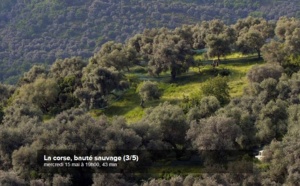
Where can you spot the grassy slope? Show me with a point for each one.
(185, 85)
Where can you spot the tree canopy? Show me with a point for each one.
(92, 105)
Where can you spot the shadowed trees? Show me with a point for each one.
(20, 127)
(259, 73)
(207, 107)
(241, 110)
(73, 126)
(272, 121)
(169, 120)
(214, 133)
(151, 136)
(109, 179)
(11, 178)
(75, 130)
(270, 108)
(282, 159)
(61, 180)
(207, 180)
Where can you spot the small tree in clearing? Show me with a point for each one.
(217, 87)
(148, 91)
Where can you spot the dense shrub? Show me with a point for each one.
(259, 73)
(148, 90)
(217, 87)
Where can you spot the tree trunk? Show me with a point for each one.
(258, 54)
(173, 74)
(142, 103)
(178, 152)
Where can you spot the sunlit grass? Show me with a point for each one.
(128, 106)
(235, 55)
(198, 57)
(185, 85)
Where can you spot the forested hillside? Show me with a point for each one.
(159, 96)
(41, 31)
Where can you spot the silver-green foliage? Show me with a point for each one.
(149, 90)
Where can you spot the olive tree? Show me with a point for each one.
(284, 167)
(242, 111)
(218, 45)
(214, 133)
(74, 129)
(260, 73)
(6, 92)
(42, 93)
(109, 179)
(37, 71)
(61, 180)
(217, 87)
(274, 52)
(251, 41)
(170, 52)
(148, 91)
(199, 32)
(11, 179)
(97, 83)
(272, 121)
(21, 125)
(62, 68)
(170, 121)
(207, 107)
(285, 49)
(219, 39)
(116, 55)
(252, 34)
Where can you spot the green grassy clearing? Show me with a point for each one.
(184, 85)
